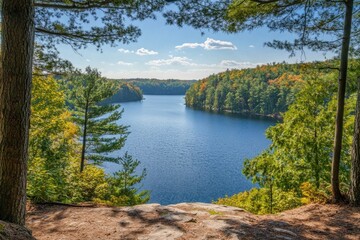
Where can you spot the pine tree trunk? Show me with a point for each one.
(83, 151)
(15, 86)
(335, 184)
(355, 156)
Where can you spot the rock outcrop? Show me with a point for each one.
(192, 221)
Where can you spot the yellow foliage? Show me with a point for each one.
(286, 79)
(312, 195)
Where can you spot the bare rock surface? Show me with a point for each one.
(186, 221)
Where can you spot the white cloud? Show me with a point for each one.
(212, 44)
(235, 64)
(251, 46)
(140, 51)
(177, 61)
(190, 45)
(144, 52)
(209, 44)
(124, 63)
(88, 60)
(122, 50)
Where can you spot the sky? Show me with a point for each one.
(170, 52)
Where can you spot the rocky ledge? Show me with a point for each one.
(192, 221)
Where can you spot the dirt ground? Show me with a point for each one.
(191, 221)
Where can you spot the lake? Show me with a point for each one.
(189, 155)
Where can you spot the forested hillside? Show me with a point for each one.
(127, 93)
(161, 87)
(264, 90)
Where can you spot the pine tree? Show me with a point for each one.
(100, 132)
(124, 183)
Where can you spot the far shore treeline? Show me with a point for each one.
(152, 86)
(266, 90)
(131, 90)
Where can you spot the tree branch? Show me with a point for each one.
(76, 5)
(265, 1)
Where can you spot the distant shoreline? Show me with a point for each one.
(276, 117)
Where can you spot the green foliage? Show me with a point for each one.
(96, 22)
(274, 200)
(94, 185)
(311, 194)
(53, 174)
(85, 186)
(100, 132)
(317, 25)
(127, 93)
(295, 169)
(48, 60)
(121, 189)
(262, 200)
(303, 142)
(213, 212)
(161, 87)
(52, 142)
(264, 90)
(299, 157)
(311, 21)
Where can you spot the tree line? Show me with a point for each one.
(133, 89)
(265, 90)
(161, 87)
(127, 93)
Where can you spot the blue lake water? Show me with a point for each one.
(189, 155)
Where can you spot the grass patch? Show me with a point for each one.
(213, 212)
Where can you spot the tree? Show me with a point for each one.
(52, 142)
(15, 84)
(123, 184)
(301, 145)
(355, 156)
(319, 25)
(307, 154)
(47, 62)
(77, 23)
(101, 134)
(230, 101)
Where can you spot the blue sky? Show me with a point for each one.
(164, 52)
